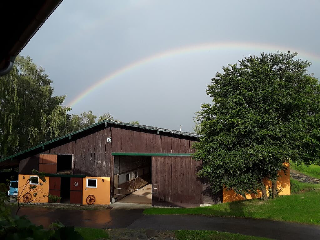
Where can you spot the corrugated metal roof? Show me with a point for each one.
(105, 123)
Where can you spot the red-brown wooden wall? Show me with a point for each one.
(93, 154)
(174, 181)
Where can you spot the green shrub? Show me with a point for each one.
(53, 198)
(21, 228)
(4, 210)
(92, 233)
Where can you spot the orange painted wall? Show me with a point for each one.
(283, 184)
(101, 193)
(38, 195)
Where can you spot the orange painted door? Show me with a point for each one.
(55, 186)
(76, 190)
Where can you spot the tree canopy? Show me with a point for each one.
(29, 112)
(264, 111)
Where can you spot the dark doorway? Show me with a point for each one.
(64, 164)
(65, 190)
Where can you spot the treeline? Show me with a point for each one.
(30, 114)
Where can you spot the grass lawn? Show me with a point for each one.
(92, 233)
(211, 235)
(303, 207)
(300, 187)
(311, 170)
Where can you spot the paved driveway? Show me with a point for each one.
(120, 217)
(253, 227)
(102, 218)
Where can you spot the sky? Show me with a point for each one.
(151, 61)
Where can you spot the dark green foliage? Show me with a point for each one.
(41, 175)
(86, 119)
(264, 111)
(53, 198)
(21, 228)
(93, 233)
(29, 113)
(66, 233)
(4, 210)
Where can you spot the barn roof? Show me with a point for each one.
(13, 160)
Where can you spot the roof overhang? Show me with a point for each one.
(20, 20)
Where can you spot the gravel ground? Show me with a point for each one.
(303, 178)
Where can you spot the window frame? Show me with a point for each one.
(31, 183)
(92, 179)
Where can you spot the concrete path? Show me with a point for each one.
(134, 219)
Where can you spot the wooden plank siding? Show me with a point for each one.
(48, 163)
(176, 181)
(92, 153)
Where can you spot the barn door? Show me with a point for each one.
(174, 181)
(76, 190)
(55, 186)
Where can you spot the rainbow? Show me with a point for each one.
(192, 49)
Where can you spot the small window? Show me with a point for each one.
(14, 184)
(92, 183)
(34, 180)
(127, 177)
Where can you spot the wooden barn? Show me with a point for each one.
(108, 161)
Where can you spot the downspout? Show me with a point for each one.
(9, 67)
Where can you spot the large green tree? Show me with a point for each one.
(264, 111)
(29, 113)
